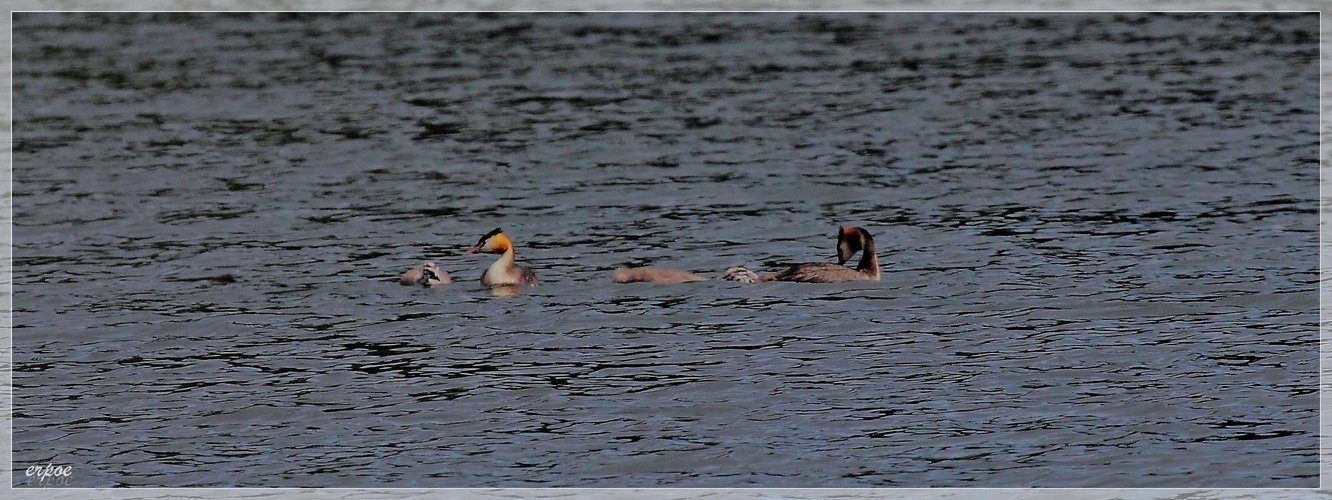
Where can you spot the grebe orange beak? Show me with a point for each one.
(472, 251)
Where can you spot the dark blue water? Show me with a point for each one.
(1098, 237)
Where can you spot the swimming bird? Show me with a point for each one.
(849, 241)
(671, 276)
(740, 274)
(503, 271)
(427, 274)
(654, 275)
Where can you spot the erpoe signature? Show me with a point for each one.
(49, 474)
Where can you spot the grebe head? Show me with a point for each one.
(433, 275)
(851, 240)
(739, 274)
(493, 242)
(848, 243)
(427, 274)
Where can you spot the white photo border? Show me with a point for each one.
(6, 249)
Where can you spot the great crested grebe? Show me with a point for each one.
(427, 274)
(849, 241)
(670, 276)
(503, 271)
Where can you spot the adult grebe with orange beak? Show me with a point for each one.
(503, 271)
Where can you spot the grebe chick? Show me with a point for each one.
(427, 274)
(654, 275)
(672, 276)
(849, 241)
(503, 271)
(739, 274)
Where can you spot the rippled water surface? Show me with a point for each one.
(1098, 236)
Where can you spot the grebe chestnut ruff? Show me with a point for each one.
(427, 274)
(849, 241)
(503, 271)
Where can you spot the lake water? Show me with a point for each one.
(1098, 235)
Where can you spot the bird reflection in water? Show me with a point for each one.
(505, 290)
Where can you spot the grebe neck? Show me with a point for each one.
(869, 260)
(498, 272)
